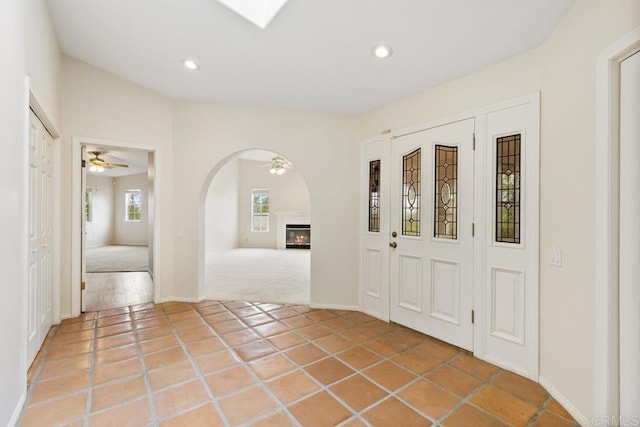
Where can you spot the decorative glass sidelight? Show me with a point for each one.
(508, 189)
(445, 218)
(411, 191)
(374, 196)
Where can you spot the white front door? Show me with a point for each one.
(39, 293)
(431, 220)
(629, 236)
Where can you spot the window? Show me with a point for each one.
(508, 189)
(411, 175)
(260, 210)
(374, 196)
(445, 217)
(133, 205)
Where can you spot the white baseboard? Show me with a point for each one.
(373, 314)
(18, 411)
(177, 299)
(335, 307)
(566, 403)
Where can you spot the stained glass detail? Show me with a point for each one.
(445, 218)
(374, 196)
(508, 189)
(411, 190)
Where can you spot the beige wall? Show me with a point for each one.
(287, 192)
(221, 222)
(207, 134)
(130, 232)
(100, 228)
(563, 69)
(97, 104)
(28, 48)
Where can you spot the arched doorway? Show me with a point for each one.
(256, 230)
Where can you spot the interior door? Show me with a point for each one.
(83, 230)
(40, 264)
(431, 217)
(629, 236)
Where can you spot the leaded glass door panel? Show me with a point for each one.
(431, 243)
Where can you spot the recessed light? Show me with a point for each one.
(382, 51)
(190, 64)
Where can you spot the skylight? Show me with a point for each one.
(258, 12)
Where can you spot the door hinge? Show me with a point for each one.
(474, 141)
(83, 285)
(473, 229)
(473, 317)
(84, 163)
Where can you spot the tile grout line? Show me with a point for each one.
(92, 366)
(194, 366)
(36, 375)
(145, 372)
(281, 405)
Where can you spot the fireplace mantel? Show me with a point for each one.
(289, 217)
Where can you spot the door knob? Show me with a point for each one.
(394, 234)
(393, 245)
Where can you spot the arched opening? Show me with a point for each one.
(256, 230)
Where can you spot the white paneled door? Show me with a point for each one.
(431, 235)
(39, 293)
(450, 231)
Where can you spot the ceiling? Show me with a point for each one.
(136, 159)
(314, 55)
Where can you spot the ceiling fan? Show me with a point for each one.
(99, 165)
(278, 165)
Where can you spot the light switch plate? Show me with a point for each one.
(555, 257)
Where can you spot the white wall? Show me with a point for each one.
(221, 223)
(100, 105)
(100, 228)
(130, 232)
(97, 104)
(287, 192)
(207, 134)
(563, 69)
(24, 25)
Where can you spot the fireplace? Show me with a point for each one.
(298, 236)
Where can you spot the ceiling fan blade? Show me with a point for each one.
(118, 165)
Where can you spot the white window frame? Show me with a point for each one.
(254, 228)
(126, 205)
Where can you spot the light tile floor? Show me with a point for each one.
(239, 363)
(110, 290)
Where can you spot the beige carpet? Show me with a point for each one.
(116, 258)
(264, 275)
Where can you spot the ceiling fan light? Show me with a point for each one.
(100, 169)
(272, 170)
(93, 168)
(281, 171)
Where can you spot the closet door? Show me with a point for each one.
(40, 274)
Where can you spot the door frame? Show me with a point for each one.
(607, 152)
(480, 217)
(76, 213)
